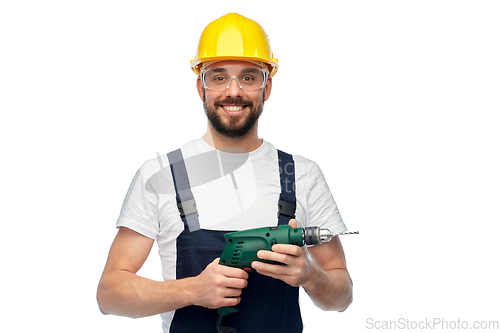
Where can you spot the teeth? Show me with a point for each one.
(233, 108)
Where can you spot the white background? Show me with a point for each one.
(397, 101)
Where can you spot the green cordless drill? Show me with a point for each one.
(242, 246)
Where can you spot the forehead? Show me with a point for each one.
(233, 65)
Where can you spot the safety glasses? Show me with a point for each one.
(220, 78)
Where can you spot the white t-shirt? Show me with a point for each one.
(232, 192)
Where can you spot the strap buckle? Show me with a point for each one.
(187, 207)
(286, 208)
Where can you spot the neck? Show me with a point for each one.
(247, 143)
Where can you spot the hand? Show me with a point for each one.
(298, 269)
(219, 286)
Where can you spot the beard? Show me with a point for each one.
(236, 126)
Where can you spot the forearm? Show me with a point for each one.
(126, 294)
(330, 290)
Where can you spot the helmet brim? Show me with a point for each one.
(197, 64)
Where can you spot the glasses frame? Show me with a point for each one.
(263, 70)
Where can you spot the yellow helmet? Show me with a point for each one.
(234, 37)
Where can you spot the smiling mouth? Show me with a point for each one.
(233, 108)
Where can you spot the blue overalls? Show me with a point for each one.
(267, 304)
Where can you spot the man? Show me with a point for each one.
(228, 180)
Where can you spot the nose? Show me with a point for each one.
(234, 88)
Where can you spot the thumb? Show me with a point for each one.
(292, 223)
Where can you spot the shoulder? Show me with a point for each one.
(153, 165)
(308, 173)
(160, 161)
(303, 165)
(298, 159)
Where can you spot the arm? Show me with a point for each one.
(122, 292)
(325, 278)
(329, 285)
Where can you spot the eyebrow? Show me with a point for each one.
(218, 70)
(250, 70)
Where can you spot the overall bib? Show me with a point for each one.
(267, 304)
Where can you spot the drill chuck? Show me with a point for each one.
(316, 235)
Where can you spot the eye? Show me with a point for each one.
(218, 78)
(247, 78)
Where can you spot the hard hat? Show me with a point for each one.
(234, 37)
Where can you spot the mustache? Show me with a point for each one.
(233, 101)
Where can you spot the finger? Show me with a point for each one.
(232, 292)
(269, 269)
(286, 274)
(235, 273)
(225, 301)
(292, 223)
(274, 276)
(293, 250)
(236, 283)
(231, 272)
(274, 256)
(231, 301)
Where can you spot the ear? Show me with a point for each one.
(267, 88)
(199, 87)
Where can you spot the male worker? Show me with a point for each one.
(228, 180)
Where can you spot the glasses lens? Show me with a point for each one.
(219, 79)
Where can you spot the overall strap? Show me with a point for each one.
(286, 203)
(185, 200)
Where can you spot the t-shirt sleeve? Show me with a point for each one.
(322, 210)
(140, 208)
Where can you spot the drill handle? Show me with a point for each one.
(227, 310)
